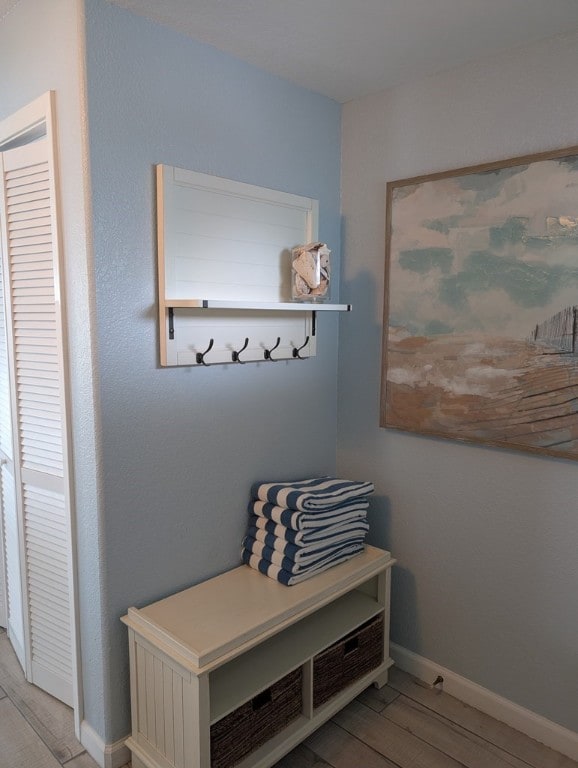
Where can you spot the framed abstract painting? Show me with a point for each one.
(481, 301)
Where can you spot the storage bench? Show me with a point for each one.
(239, 669)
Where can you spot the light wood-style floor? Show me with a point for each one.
(36, 731)
(405, 725)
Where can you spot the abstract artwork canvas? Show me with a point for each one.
(481, 300)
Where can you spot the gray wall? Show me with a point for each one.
(486, 539)
(181, 447)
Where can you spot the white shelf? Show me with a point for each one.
(265, 306)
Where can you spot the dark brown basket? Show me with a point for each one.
(255, 722)
(347, 660)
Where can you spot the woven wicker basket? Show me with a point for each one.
(255, 722)
(347, 660)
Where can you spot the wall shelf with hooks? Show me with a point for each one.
(224, 271)
(263, 306)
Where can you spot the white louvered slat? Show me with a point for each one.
(19, 222)
(24, 171)
(38, 181)
(32, 418)
(33, 285)
(20, 249)
(37, 215)
(52, 561)
(31, 375)
(47, 435)
(33, 261)
(26, 206)
(30, 362)
(41, 355)
(46, 425)
(35, 353)
(34, 356)
(36, 333)
(28, 240)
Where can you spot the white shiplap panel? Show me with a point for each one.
(150, 694)
(158, 700)
(239, 230)
(215, 227)
(168, 718)
(141, 702)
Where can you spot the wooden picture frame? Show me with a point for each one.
(481, 304)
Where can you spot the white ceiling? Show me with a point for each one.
(349, 48)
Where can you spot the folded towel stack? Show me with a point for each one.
(296, 530)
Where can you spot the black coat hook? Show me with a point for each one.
(268, 351)
(296, 350)
(235, 355)
(201, 355)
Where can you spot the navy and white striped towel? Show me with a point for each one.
(306, 537)
(355, 509)
(284, 577)
(295, 551)
(297, 560)
(309, 495)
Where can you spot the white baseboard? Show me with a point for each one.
(535, 726)
(113, 755)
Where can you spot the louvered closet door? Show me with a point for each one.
(37, 389)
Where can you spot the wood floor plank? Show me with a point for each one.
(398, 745)
(378, 698)
(302, 757)
(21, 746)
(511, 741)
(52, 720)
(467, 748)
(83, 761)
(342, 750)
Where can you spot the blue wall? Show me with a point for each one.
(180, 447)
